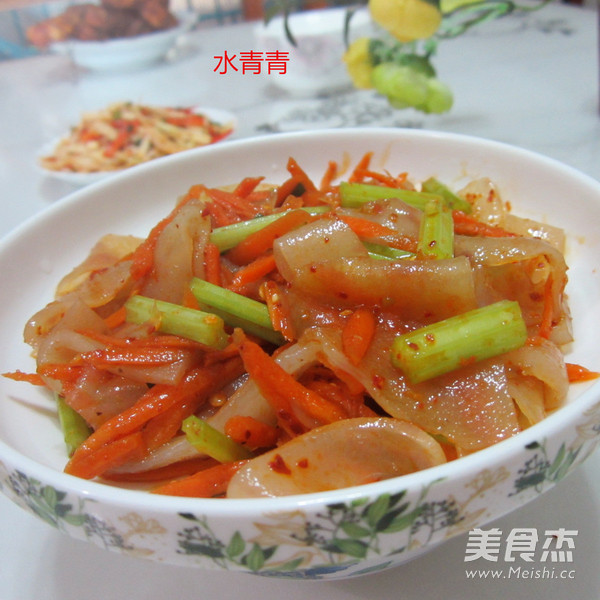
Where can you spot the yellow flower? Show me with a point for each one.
(358, 63)
(406, 20)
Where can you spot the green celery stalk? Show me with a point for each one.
(73, 426)
(436, 234)
(208, 440)
(457, 341)
(380, 251)
(354, 195)
(229, 236)
(197, 325)
(433, 186)
(266, 333)
(236, 310)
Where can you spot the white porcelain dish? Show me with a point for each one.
(328, 535)
(217, 115)
(124, 54)
(315, 61)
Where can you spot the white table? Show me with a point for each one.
(532, 82)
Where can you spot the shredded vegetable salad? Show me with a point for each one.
(125, 134)
(268, 340)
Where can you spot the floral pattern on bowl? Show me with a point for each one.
(338, 538)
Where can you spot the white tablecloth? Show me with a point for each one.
(530, 81)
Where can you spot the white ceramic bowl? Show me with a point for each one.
(315, 62)
(123, 54)
(327, 535)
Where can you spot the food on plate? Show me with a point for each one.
(268, 340)
(125, 134)
(109, 19)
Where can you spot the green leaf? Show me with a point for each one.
(557, 461)
(236, 545)
(75, 520)
(49, 495)
(390, 516)
(354, 548)
(359, 502)
(377, 509)
(353, 530)
(255, 559)
(188, 516)
(291, 565)
(62, 509)
(403, 521)
(395, 498)
(268, 552)
(563, 471)
(202, 549)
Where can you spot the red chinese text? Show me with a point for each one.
(252, 62)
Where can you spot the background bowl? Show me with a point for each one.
(327, 535)
(76, 179)
(124, 54)
(315, 62)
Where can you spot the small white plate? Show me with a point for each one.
(217, 115)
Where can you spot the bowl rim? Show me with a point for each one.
(305, 18)
(500, 452)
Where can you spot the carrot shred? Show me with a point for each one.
(337, 392)
(251, 432)
(252, 272)
(116, 318)
(173, 471)
(163, 427)
(108, 358)
(357, 334)
(32, 378)
(278, 310)
(577, 373)
(240, 206)
(546, 322)
(290, 399)
(65, 373)
(189, 300)
(259, 242)
(296, 171)
(207, 483)
(212, 264)
(381, 178)
(465, 224)
(329, 175)
(221, 215)
(155, 341)
(108, 456)
(354, 385)
(117, 144)
(367, 229)
(286, 189)
(158, 399)
(357, 174)
(247, 186)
